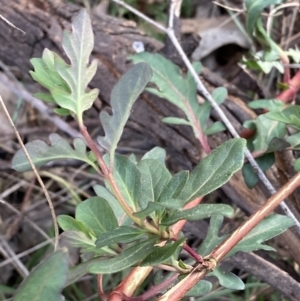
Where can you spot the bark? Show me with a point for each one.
(44, 20)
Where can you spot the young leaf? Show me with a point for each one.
(199, 212)
(96, 214)
(268, 228)
(46, 281)
(121, 216)
(123, 96)
(46, 75)
(227, 279)
(161, 254)
(121, 234)
(215, 169)
(41, 153)
(154, 177)
(78, 46)
(127, 258)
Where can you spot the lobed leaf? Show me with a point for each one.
(68, 83)
(46, 280)
(266, 131)
(290, 116)
(41, 153)
(215, 169)
(123, 96)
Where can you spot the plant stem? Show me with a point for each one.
(110, 178)
(179, 290)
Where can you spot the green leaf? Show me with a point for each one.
(171, 204)
(174, 187)
(219, 95)
(176, 120)
(46, 75)
(297, 165)
(227, 279)
(203, 112)
(294, 140)
(46, 280)
(154, 177)
(216, 127)
(171, 85)
(270, 227)
(62, 111)
(126, 259)
(254, 9)
(290, 115)
(161, 254)
(41, 153)
(215, 169)
(121, 216)
(123, 234)
(128, 180)
(96, 214)
(212, 238)
(202, 288)
(67, 222)
(199, 212)
(269, 104)
(78, 46)
(264, 162)
(156, 153)
(100, 265)
(266, 131)
(123, 96)
(77, 239)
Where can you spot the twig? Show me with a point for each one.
(6, 251)
(179, 290)
(36, 174)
